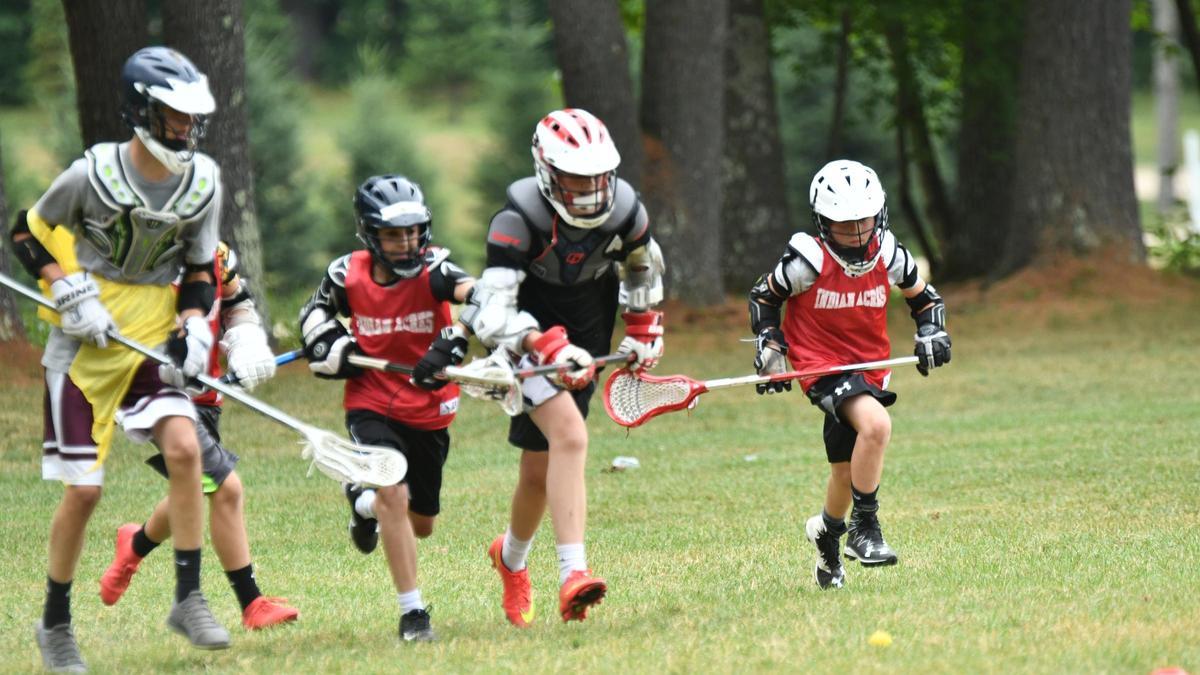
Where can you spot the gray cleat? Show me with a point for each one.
(60, 652)
(194, 620)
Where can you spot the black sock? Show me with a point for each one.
(244, 585)
(187, 573)
(835, 526)
(58, 604)
(143, 545)
(865, 502)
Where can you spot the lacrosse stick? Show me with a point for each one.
(281, 359)
(341, 460)
(491, 378)
(633, 398)
(556, 367)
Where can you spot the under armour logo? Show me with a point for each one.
(842, 388)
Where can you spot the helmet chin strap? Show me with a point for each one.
(167, 157)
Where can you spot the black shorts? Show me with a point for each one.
(426, 452)
(524, 434)
(828, 394)
(216, 461)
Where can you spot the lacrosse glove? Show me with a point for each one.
(77, 299)
(328, 346)
(189, 350)
(248, 355)
(932, 340)
(771, 359)
(449, 349)
(643, 338)
(578, 368)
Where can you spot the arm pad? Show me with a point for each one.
(642, 287)
(927, 307)
(29, 251)
(765, 305)
(196, 295)
(491, 311)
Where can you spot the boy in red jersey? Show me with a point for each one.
(397, 295)
(835, 287)
(249, 359)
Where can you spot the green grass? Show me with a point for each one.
(1040, 491)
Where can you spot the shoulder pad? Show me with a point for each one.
(889, 247)
(625, 204)
(108, 177)
(338, 269)
(509, 229)
(202, 178)
(435, 255)
(526, 199)
(807, 247)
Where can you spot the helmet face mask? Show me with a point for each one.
(166, 102)
(848, 204)
(575, 161)
(394, 223)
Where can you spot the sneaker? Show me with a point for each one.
(265, 612)
(125, 562)
(865, 541)
(580, 591)
(60, 652)
(518, 594)
(828, 571)
(414, 627)
(364, 532)
(194, 620)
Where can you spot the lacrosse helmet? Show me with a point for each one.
(390, 202)
(157, 78)
(573, 146)
(847, 191)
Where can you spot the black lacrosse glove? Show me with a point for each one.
(771, 358)
(449, 349)
(932, 340)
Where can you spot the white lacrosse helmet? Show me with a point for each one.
(574, 144)
(155, 78)
(847, 191)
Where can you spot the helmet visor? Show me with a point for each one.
(584, 196)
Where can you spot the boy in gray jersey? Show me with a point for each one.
(106, 241)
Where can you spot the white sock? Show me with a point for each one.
(365, 504)
(515, 552)
(570, 558)
(410, 601)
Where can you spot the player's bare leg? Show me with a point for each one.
(870, 419)
(400, 549)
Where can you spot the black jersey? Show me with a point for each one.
(571, 276)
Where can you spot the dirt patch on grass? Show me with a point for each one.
(21, 363)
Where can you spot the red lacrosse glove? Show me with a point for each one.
(578, 368)
(643, 338)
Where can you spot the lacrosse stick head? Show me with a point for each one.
(346, 462)
(633, 397)
(492, 378)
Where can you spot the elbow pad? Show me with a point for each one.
(765, 306)
(642, 285)
(196, 295)
(29, 251)
(491, 311)
(927, 307)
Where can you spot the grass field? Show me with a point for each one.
(1041, 492)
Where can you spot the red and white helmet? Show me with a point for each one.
(574, 143)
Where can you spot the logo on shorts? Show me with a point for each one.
(841, 389)
(448, 407)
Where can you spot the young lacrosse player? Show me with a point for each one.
(139, 212)
(251, 362)
(835, 290)
(550, 294)
(397, 295)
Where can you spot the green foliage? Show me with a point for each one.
(15, 29)
(377, 24)
(51, 72)
(449, 43)
(1172, 243)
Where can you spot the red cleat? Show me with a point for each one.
(116, 578)
(518, 595)
(580, 591)
(265, 612)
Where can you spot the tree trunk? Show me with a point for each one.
(1074, 180)
(11, 326)
(683, 121)
(589, 46)
(212, 34)
(103, 35)
(1189, 32)
(754, 215)
(987, 134)
(1166, 102)
(834, 148)
(907, 204)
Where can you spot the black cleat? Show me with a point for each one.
(364, 532)
(865, 541)
(828, 572)
(414, 627)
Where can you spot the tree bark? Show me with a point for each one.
(754, 214)
(589, 46)
(834, 149)
(682, 116)
(102, 36)
(1074, 180)
(12, 328)
(1189, 32)
(1166, 103)
(212, 35)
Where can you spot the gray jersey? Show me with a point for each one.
(129, 229)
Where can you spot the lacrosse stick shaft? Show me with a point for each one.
(378, 364)
(726, 382)
(452, 373)
(281, 359)
(555, 367)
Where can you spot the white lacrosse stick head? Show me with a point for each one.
(346, 462)
(492, 378)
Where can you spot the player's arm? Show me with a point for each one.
(448, 283)
(327, 342)
(793, 274)
(641, 290)
(926, 307)
(248, 353)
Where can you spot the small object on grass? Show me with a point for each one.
(622, 463)
(880, 638)
(751, 458)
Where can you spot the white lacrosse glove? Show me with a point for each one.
(190, 350)
(578, 368)
(643, 338)
(247, 355)
(771, 359)
(77, 299)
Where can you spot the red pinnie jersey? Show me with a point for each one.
(221, 273)
(397, 323)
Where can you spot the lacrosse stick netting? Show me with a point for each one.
(632, 399)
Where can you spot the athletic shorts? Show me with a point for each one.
(828, 394)
(216, 461)
(68, 450)
(426, 452)
(522, 432)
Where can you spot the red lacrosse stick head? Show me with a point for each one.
(633, 397)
